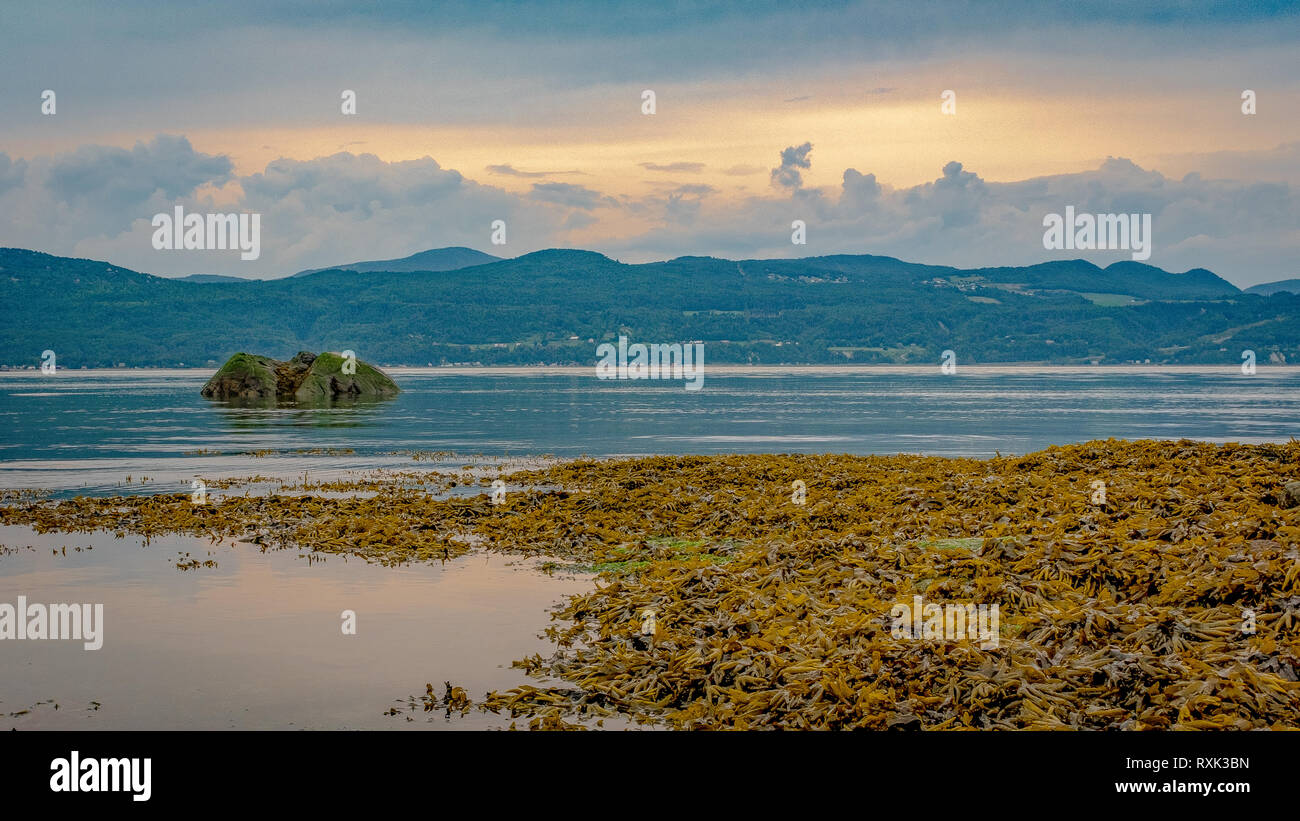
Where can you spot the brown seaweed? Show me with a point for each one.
(1174, 602)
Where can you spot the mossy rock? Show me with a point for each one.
(244, 376)
(305, 378)
(325, 380)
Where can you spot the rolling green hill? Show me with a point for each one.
(554, 306)
(436, 259)
(1270, 288)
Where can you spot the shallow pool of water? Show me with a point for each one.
(257, 642)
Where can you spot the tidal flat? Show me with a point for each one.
(1139, 585)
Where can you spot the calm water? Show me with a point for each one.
(255, 642)
(86, 431)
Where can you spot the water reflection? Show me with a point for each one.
(256, 642)
(246, 414)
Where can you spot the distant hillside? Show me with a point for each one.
(554, 306)
(437, 259)
(1267, 288)
(1127, 278)
(210, 278)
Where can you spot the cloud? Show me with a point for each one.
(1245, 231)
(96, 202)
(682, 206)
(1280, 164)
(115, 177)
(687, 167)
(567, 194)
(694, 190)
(858, 189)
(956, 198)
(510, 171)
(277, 65)
(98, 191)
(793, 158)
(12, 173)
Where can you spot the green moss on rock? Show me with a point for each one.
(244, 376)
(306, 377)
(326, 379)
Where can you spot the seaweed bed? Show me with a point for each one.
(1172, 603)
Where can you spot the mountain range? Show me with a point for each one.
(554, 307)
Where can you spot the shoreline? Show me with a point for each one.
(724, 368)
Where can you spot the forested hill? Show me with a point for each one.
(554, 306)
(436, 259)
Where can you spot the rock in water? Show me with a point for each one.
(244, 376)
(324, 379)
(306, 377)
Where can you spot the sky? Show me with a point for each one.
(764, 113)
